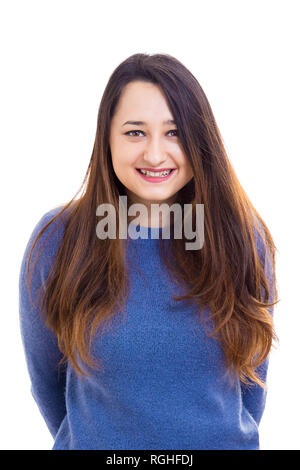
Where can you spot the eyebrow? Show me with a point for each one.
(142, 123)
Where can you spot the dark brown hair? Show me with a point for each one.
(88, 282)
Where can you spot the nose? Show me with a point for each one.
(155, 152)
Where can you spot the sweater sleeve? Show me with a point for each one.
(39, 342)
(254, 397)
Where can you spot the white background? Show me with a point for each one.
(56, 58)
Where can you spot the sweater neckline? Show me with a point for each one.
(145, 233)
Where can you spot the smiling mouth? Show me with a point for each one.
(155, 176)
(160, 173)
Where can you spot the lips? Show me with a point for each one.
(155, 179)
(158, 170)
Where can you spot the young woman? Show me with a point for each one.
(138, 342)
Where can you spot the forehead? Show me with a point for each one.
(141, 99)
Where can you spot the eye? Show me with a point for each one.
(132, 132)
(129, 133)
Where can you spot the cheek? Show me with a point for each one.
(185, 165)
(126, 153)
(187, 172)
(123, 166)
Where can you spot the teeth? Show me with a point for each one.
(152, 173)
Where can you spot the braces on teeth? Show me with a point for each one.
(151, 173)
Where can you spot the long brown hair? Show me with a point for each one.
(88, 282)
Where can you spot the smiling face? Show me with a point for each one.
(148, 141)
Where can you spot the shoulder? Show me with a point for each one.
(261, 241)
(47, 217)
(266, 251)
(45, 237)
(53, 221)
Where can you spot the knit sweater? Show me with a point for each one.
(163, 382)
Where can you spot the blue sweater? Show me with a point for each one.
(163, 382)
